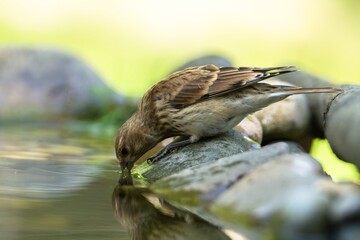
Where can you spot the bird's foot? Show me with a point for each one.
(157, 156)
(168, 148)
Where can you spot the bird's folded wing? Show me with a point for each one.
(194, 84)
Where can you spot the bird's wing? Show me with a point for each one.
(191, 85)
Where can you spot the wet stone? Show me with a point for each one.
(263, 191)
(208, 181)
(316, 212)
(346, 204)
(350, 231)
(205, 151)
(303, 215)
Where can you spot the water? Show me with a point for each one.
(60, 184)
(56, 184)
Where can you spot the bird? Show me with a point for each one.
(197, 102)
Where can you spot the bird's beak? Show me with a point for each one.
(125, 178)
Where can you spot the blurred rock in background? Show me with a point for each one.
(47, 83)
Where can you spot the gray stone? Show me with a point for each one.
(206, 182)
(205, 151)
(317, 103)
(336, 116)
(303, 215)
(326, 208)
(262, 192)
(287, 119)
(342, 125)
(43, 82)
(346, 207)
(350, 231)
(251, 127)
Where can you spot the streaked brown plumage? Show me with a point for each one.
(197, 102)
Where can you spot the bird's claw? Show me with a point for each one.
(154, 159)
(158, 156)
(150, 160)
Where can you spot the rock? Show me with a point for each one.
(317, 103)
(263, 191)
(43, 82)
(350, 231)
(303, 215)
(344, 213)
(288, 197)
(277, 190)
(342, 125)
(346, 207)
(251, 127)
(287, 119)
(205, 151)
(335, 116)
(316, 212)
(208, 181)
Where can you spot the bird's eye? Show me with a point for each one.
(124, 151)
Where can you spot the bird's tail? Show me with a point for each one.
(285, 91)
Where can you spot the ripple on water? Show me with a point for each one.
(40, 162)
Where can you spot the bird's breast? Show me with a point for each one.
(205, 119)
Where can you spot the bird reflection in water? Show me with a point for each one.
(147, 217)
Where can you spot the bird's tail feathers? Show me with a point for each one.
(285, 91)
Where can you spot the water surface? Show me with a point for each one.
(56, 184)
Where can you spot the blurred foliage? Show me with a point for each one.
(106, 125)
(337, 169)
(135, 43)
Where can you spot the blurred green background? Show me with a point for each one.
(134, 43)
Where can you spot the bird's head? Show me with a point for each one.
(131, 143)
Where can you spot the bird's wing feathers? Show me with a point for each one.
(230, 78)
(197, 83)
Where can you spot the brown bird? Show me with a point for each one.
(198, 102)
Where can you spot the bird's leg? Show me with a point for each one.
(168, 148)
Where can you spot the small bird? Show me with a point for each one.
(198, 102)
